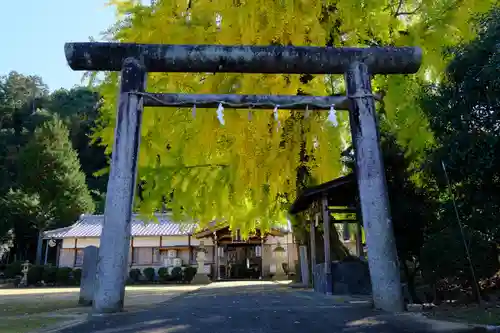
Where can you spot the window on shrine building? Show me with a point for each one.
(156, 255)
(135, 255)
(79, 258)
(142, 255)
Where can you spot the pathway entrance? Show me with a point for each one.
(256, 307)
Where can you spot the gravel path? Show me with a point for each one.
(259, 307)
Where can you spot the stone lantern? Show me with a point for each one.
(25, 267)
(201, 277)
(279, 255)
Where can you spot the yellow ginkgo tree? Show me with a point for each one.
(244, 169)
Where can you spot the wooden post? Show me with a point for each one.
(359, 240)
(217, 259)
(75, 252)
(115, 236)
(304, 267)
(58, 251)
(382, 254)
(190, 249)
(46, 251)
(262, 256)
(313, 246)
(326, 238)
(132, 259)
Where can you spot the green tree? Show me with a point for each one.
(50, 171)
(50, 166)
(21, 98)
(79, 109)
(21, 101)
(463, 115)
(24, 213)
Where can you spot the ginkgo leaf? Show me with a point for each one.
(262, 155)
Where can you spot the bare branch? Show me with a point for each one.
(400, 5)
(411, 12)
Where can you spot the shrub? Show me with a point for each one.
(35, 274)
(163, 274)
(17, 281)
(77, 276)
(444, 257)
(63, 276)
(50, 275)
(189, 274)
(149, 274)
(14, 269)
(176, 274)
(135, 275)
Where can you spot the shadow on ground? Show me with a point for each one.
(260, 307)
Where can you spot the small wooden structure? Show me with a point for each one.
(225, 239)
(336, 196)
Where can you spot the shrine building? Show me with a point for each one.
(164, 243)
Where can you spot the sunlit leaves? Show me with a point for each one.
(250, 161)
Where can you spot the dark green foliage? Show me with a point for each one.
(79, 109)
(452, 263)
(21, 100)
(412, 207)
(135, 275)
(188, 274)
(50, 274)
(176, 274)
(50, 167)
(50, 186)
(464, 115)
(163, 275)
(35, 274)
(149, 274)
(13, 269)
(17, 281)
(77, 276)
(63, 276)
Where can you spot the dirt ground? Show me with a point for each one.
(483, 315)
(32, 309)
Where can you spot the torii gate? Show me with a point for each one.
(136, 60)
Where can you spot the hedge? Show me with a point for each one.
(149, 274)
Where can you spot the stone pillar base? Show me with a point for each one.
(201, 279)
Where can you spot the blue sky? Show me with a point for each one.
(44, 26)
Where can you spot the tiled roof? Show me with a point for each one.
(56, 233)
(91, 226)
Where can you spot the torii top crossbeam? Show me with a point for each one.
(94, 56)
